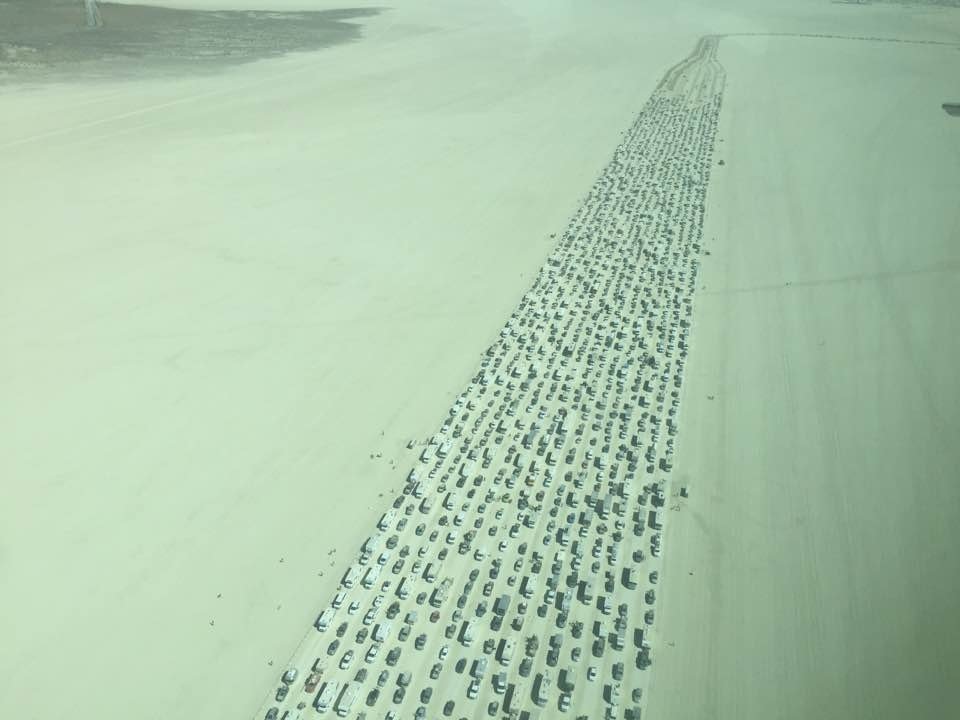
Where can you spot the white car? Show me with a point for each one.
(592, 673)
(444, 651)
(354, 607)
(474, 689)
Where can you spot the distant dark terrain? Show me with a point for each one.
(47, 39)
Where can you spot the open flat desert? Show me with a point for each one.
(373, 343)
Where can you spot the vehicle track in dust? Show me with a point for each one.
(547, 483)
(550, 478)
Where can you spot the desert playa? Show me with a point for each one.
(479, 359)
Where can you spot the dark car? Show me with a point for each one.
(393, 656)
(282, 692)
(332, 647)
(372, 697)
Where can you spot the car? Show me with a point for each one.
(372, 652)
(332, 647)
(353, 608)
(403, 679)
(421, 641)
(404, 633)
(290, 676)
(564, 703)
(312, 681)
(420, 714)
(448, 708)
(393, 656)
(383, 678)
(272, 714)
(398, 695)
(426, 694)
(346, 660)
(370, 615)
(378, 601)
(444, 651)
(492, 708)
(372, 697)
(282, 692)
(474, 689)
(361, 675)
(362, 634)
(592, 673)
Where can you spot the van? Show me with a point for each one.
(505, 651)
(370, 577)
(326, 696)
(656, 520)
(403, 588)
(541, 689)
(347, 697)
(387, 519)
(350, 577)
(324, 619)
(382, 631)
(468, 632)
(373, 543)
(527, 586)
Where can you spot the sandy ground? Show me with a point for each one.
(221, 295)
(812, 572)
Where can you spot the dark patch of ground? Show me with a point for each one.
(47, 39)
